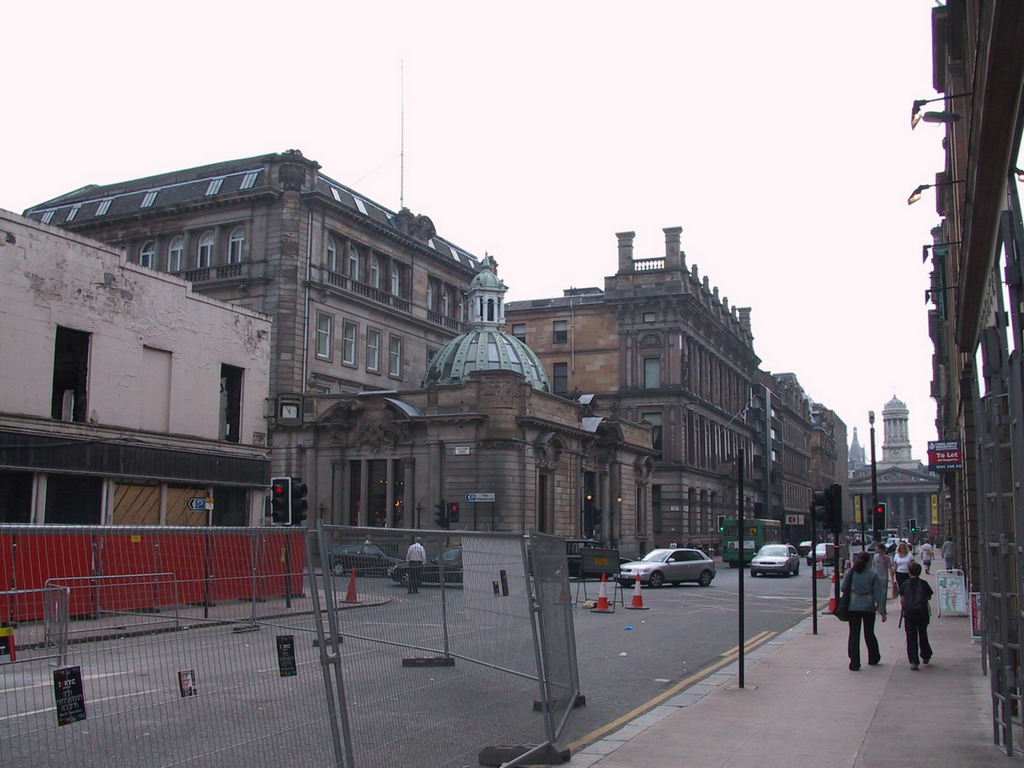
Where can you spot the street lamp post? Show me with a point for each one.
(874, 479)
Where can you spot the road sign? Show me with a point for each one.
(479, 497)
(794, 519)
(198, 503)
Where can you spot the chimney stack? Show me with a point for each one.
(672, 260)
(625, 251)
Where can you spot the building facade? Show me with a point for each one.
(127, 397)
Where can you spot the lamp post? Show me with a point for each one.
(874, 479)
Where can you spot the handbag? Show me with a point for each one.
(842, 611)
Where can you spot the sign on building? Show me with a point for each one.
(944, 455)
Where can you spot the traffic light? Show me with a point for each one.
(913, 525)
(441, 516)
(880, 516)
(281, 500)
(834, 508)
(453, 512)
(299, 503)
(721, 523)
(819, 506)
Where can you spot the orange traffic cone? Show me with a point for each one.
(351, 596)
(638, 600)
(602, 597)
(832, 597)
(819, 568)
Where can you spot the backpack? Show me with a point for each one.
(917, 600)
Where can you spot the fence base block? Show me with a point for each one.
(429, 661)
(501, 754)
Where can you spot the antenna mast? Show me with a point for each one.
(401, 181)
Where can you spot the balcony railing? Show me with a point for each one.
(648, 265)
(221, 272)
(376, 295)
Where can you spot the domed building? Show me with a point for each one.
(484, 431)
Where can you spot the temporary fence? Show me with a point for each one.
(278, 647)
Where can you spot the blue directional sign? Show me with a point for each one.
(479, 497)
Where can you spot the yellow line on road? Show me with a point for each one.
(729, 657)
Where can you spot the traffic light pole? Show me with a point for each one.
(874, 478)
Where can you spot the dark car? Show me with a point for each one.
(448, 563)
(365, 559)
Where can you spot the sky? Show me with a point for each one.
(777, 135)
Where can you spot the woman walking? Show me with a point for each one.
(904, 557)
(867, 597)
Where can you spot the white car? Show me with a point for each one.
(673, 566)
(782, 559)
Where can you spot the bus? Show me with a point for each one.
(758, 532)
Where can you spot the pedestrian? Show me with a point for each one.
(902, 560)
(949, 553)
(867, 597)
(926, 555)
(914, 596)
(415, 557)
(881, 563)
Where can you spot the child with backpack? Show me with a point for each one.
(915, 593)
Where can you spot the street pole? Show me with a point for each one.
(739, 521)
(874, 479)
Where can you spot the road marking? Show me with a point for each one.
(730, 656)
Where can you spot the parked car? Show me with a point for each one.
(448, 563)
(782, 559)
(366, 559)
(669, 565)
(818, 553)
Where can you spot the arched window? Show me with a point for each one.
(204, 253)
(375, 272)
(430, 296)
(444, 303)
(147, 254)
(332, 254)
(175, 252)
(396, 281)
(354, 267)
(236, 246)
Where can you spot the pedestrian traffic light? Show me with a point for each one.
(299, 503)
(913, 525)
(453, 512)
(441, 516)
(281, 500)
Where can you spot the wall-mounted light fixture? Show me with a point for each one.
(930, 292)
(916, 194)
(916, 115)
(940, 249)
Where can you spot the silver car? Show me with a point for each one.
(669, 565)
(782, 559)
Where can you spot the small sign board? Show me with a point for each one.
(794, 519)
(595, 561)
(286, 655)
(462, 450)
(199, 503)
(187, 682)
(69, 695)
(479, 497)
(976, 614)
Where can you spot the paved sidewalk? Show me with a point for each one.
(801, 707)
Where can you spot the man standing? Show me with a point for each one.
(949, 553)
(415, 557)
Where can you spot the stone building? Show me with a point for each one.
(361, 297)
(127, 397)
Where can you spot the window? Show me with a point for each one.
(431, 352)
(650, 317)
(47, 217)
(175, 252)
(560, 379)
(375, 272)
(204, 255)
(353, 262)
(396, 280)
(103, 207)
(236, 246)
(372, 350)
(73, 213)
(331, 263)
(654, 419)
(444, 302)
(147, 254)
(230, 403)
(324, 335)
(430, 296)
(652, 372)
(560, 331)
(249, 180)
(350, 332)
(519, 331)
(395, 356)
(214, 186)
(149, 198)
(70, 375)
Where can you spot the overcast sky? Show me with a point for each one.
(777, 135)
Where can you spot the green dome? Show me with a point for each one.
(485, 350)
